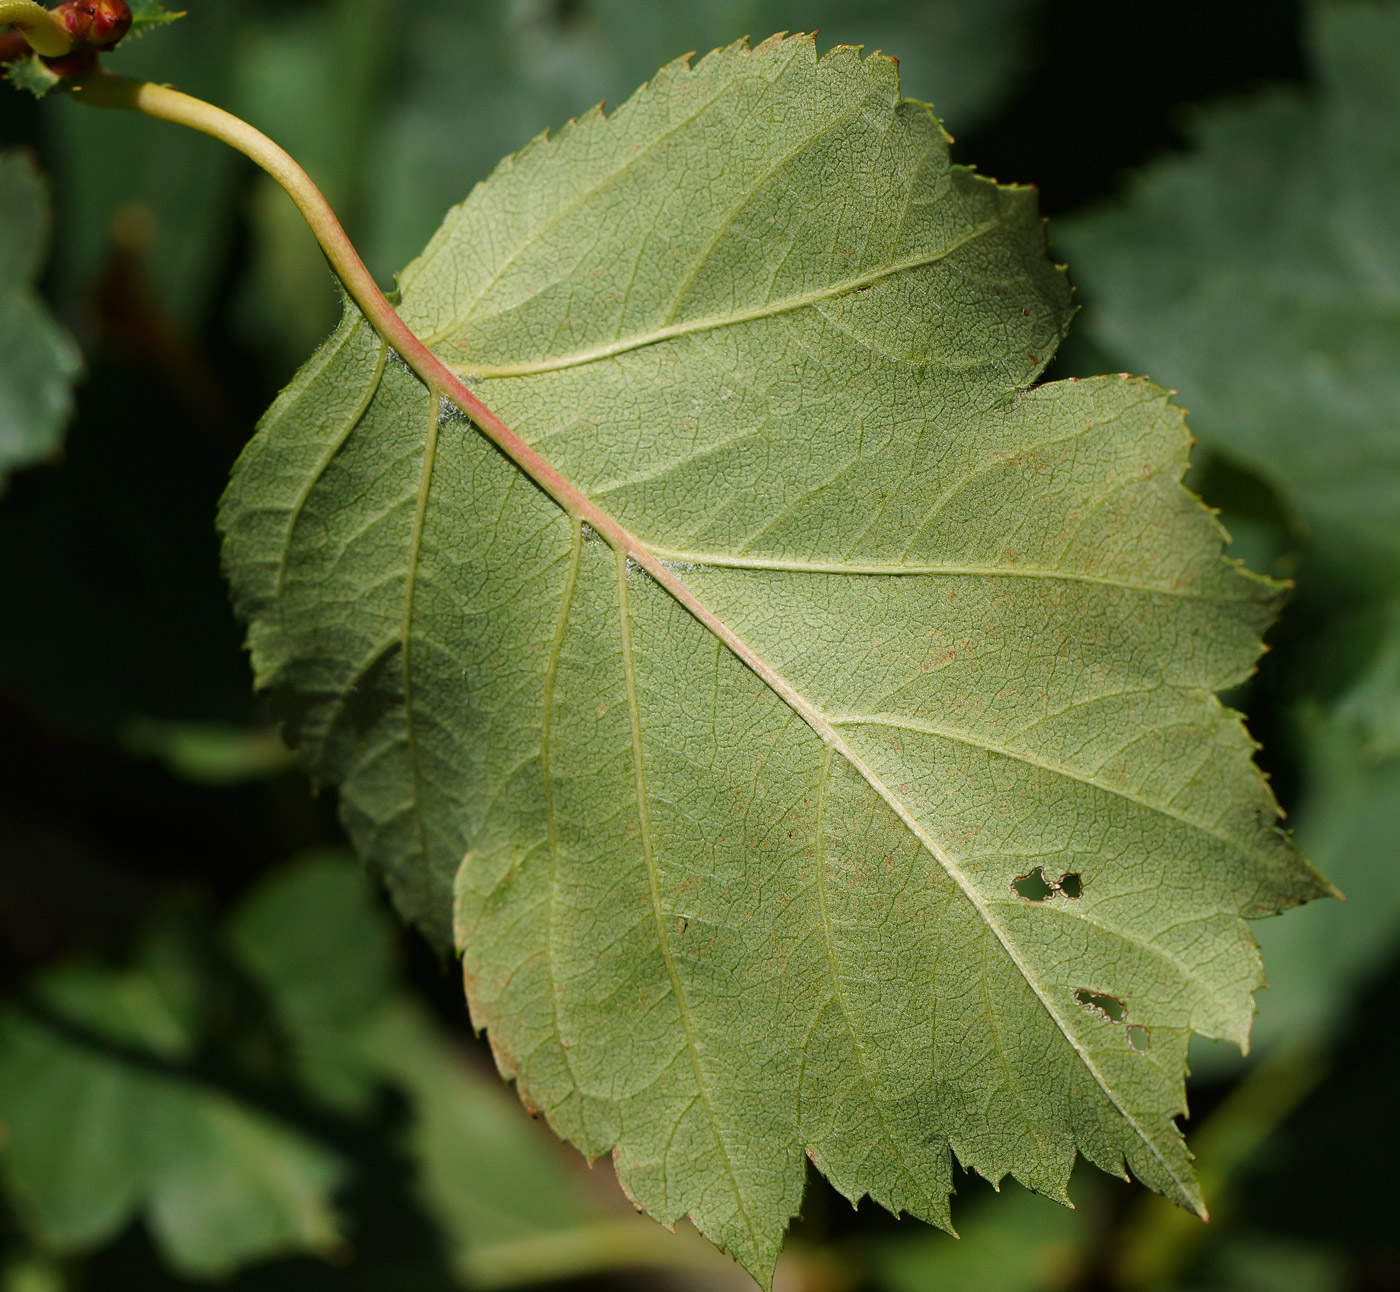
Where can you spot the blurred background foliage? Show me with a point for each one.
(220, 1060)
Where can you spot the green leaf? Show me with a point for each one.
(1017, 1244)
(33, 75)
(1370, 706)
(742, 880)
(1160, 1243)
(209, 753)
(1349, 821)
(34, 1275)
(292, 935)
(39, 361)
(150, 13)
(94, 1138)
(510, 1212)
(1261, 275)
(484, 1177)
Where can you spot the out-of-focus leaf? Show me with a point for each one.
(494, 1182)
(150, 13)
(295, 934)
(162, 193)
(36, 1274)
(1019, 1243)
(486, 1176)
(93, 1138)
(930, 635)
(1371, 705)
(38, 359)
(1260, 274)
(209, 753)
(485, 1170)
(1348, 822)
(1264, 1263)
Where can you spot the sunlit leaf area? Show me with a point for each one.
(871, 889)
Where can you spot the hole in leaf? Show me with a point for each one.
(1139, 1038)
(1034, 887)
(1109, 1006)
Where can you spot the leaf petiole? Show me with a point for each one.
(42, 28)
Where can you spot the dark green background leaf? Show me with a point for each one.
(38, 360)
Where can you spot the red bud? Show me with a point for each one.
(111, 20)
(95, 24)
(76, 15)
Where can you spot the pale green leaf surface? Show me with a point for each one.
(1261, 275)
(93, 1139)
(39, 361)
(716, 916)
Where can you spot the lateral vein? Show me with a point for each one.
(724, 561)
(1031, 760)
(674, 330)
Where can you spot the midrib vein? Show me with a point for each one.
(654, 888)
(1013, 1087)
(786, 306)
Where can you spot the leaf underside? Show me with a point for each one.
(759, 319)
